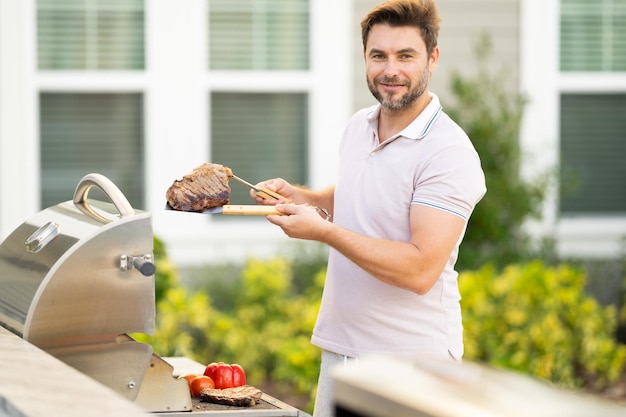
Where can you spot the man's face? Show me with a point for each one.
(397, 65)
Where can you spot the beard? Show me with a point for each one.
(407, 99)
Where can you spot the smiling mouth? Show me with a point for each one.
(391, 83)
(391, 87)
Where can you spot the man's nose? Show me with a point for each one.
(392, 67)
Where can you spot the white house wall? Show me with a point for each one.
(525, 40)
(18, 168)
(176, 113)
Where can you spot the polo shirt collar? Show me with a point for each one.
(419, 127)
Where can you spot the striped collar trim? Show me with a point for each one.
(425, 121)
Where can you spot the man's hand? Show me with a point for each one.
(277, 185)
(301, 221)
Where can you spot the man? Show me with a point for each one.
(408, 180)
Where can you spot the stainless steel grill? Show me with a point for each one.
(77, 278)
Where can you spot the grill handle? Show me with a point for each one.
(106, 185)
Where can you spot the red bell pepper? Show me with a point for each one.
(225, 375)
(239, 375)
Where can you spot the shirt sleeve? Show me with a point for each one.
(453, 181)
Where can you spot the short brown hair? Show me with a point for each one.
(422, 14)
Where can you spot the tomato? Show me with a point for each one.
(188, 377)
(239, 375)
(200, 383)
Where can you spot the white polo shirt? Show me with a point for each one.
(431, 162)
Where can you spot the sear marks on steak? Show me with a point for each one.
(204, 188)
(243, 396)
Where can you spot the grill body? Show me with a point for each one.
(76, 278)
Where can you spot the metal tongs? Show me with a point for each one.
(266, 194)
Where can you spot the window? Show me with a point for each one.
(593, 35)
(593, 129)
(592, 124)
(263, 134)
(258, 34)
(84, 133)
(87, 132)
(260, 136)
(90, 34)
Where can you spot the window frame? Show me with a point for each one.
(542, 82)
(175, 115)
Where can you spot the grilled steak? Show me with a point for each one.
(204, 188)
(243, 396)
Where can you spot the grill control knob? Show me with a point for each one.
(143, 264)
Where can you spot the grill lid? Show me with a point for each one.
(66, 272)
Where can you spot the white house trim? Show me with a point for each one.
(542, 83)
(176, 87)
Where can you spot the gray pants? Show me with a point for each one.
(324, 406)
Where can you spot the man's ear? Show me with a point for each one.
(434, 59)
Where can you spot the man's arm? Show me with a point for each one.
(414, 265)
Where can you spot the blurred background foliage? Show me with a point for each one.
(538, 320)
(528, 317)
(490, 111)
(260, 315)
(523, 309)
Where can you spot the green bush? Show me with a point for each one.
(491, 114)
(270, 329)
(539, 321)
(181, 317)
(266, 326)
(527, 317)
